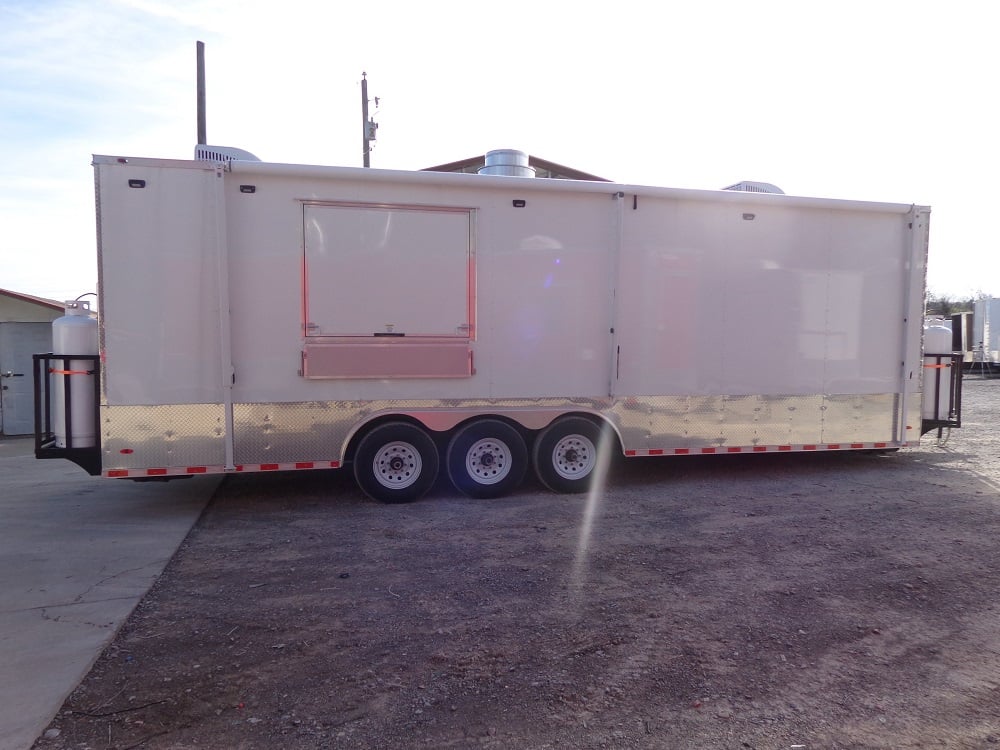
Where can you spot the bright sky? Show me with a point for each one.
(886, 100)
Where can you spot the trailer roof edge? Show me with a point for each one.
(520, 183)
(550, 184)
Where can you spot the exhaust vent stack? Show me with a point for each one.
(507, 161)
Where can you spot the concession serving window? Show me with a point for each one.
(388, 291)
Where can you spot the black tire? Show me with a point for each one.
(396, 462)
(568, 453)
(486, 458)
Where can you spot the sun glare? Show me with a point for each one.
(591, 510)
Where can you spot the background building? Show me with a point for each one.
(25, 329)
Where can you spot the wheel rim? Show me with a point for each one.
(488, 461)
(574, 456)
(397, 465)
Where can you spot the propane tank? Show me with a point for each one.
(937, 370)
(75, 333)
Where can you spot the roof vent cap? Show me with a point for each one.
(222, 154)
(756, 187)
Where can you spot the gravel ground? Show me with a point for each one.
(828, 600)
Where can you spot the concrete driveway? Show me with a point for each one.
(77, 553)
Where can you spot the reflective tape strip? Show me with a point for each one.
(718, 450)
(178, 471)
(70, 372)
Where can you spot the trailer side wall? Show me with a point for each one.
(690, 321)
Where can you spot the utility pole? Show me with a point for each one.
(368, 125)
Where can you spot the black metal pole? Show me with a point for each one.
(97, 402)
(37, 382)
(202, 136)
(67, 403)
(49, 435)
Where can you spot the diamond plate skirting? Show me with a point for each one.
(671, 422)
(175, 435)
(310, 431)
(194, 434)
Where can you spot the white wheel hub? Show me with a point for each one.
(574, 456)
(397, 465)
(488, 461)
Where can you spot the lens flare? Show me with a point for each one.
(590, 511)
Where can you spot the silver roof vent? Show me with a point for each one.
(222, 153)
(756, 187)
(507, 161)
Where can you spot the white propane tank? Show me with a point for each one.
(74, 333)
(937, 370)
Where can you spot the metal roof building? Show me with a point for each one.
(538, 167)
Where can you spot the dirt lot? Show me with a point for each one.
(770, 601)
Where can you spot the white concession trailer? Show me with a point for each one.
(984, 348)
(267, 317)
